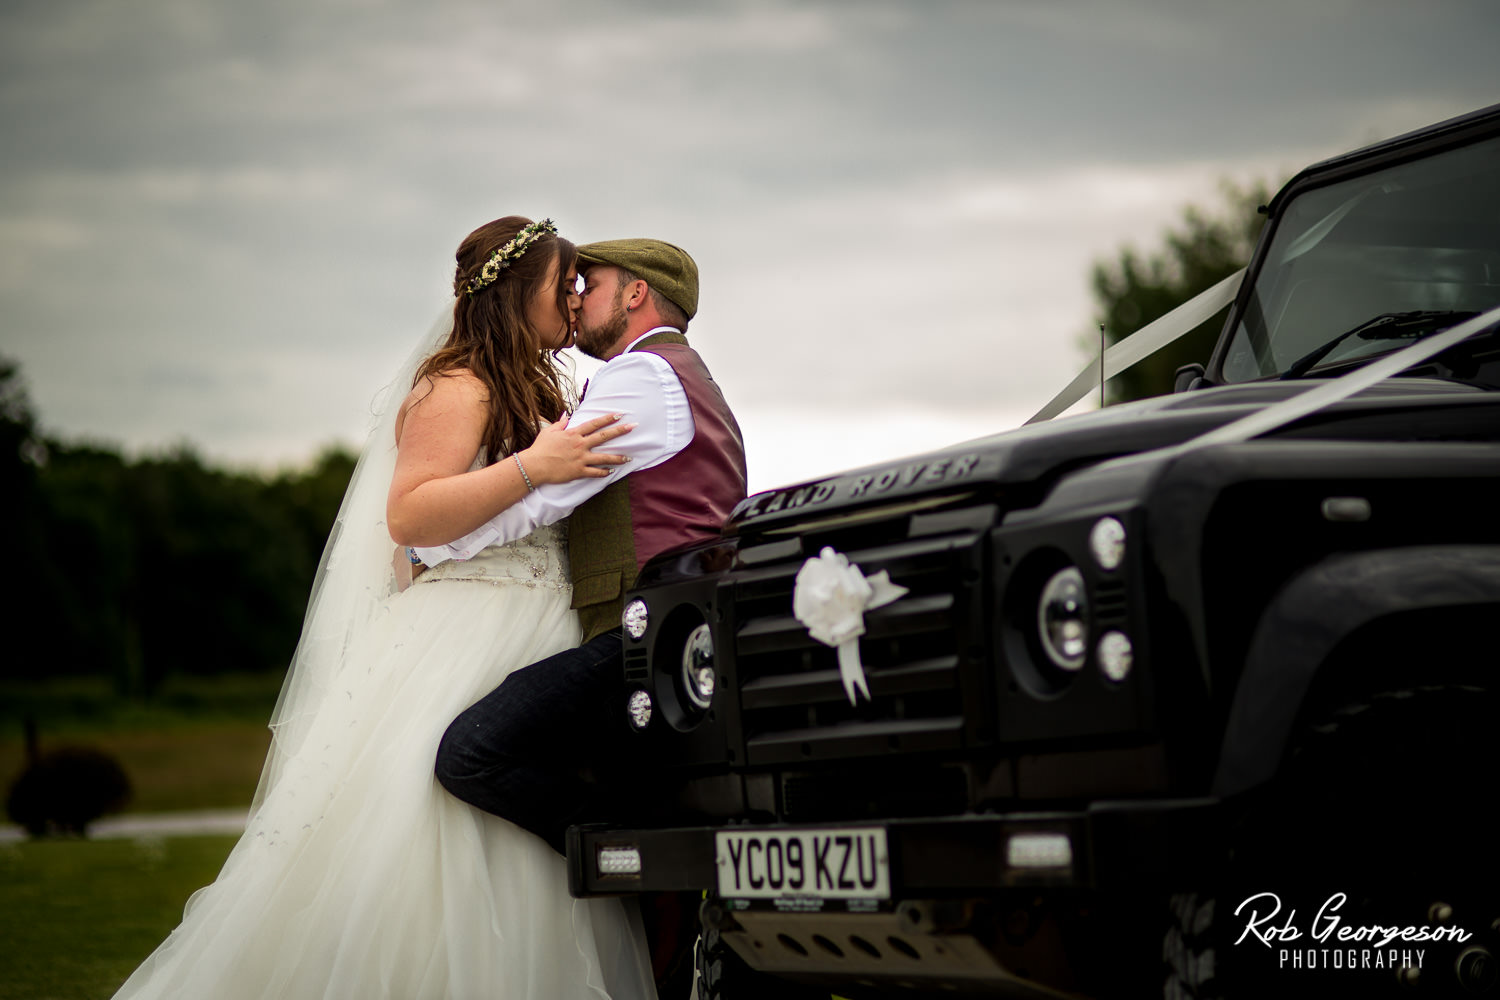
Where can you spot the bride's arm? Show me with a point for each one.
(434, 498)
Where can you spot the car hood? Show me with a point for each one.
(1022, 462)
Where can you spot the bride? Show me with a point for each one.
(358, 876)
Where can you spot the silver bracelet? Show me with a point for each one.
(529, 484)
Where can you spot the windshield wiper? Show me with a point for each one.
(1414, 325)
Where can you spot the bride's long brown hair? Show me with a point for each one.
(493, 338)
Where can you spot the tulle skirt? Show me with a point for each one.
(359, 877)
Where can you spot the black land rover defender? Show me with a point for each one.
(1196, 690)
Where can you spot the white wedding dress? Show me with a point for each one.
(358, 876)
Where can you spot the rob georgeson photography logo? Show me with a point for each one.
(1332, 942)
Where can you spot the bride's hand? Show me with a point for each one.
(561, 453)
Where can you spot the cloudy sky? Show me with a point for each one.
(227, 223)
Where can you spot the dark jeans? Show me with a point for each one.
(550, 746)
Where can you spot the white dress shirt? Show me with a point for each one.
(640, 386)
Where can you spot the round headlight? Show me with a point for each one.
(1107, 542)
(639, 708)
(698, 666)
(1062, 619)
(635, 619)
(1115, 655)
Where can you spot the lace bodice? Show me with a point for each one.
(540, 559)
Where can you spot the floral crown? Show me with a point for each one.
(501, 258)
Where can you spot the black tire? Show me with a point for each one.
(1187, 951)
(1386, 799)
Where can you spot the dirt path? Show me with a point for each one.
(174, 824)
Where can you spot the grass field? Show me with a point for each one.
(198, 745)
(76, 916)
(193, 765)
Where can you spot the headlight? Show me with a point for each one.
(1062, 619)
(698, 667)
(635, 619)
(639, 709)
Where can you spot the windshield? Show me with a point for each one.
(1423, 235)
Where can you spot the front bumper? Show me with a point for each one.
(1119, 844)
(960, 910)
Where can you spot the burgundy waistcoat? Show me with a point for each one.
(684, 499)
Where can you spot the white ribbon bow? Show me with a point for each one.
(830, 597)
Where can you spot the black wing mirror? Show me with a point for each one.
(1189, 377)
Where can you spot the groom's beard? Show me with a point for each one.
(594, 341)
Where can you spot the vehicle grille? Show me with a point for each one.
(918, 654)
(1110, 606)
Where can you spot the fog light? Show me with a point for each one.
(698, 666)
(1107, 542)
(639, 707)
(1115, 655)
(1062, 619)
(1039, 850)
(619, 860)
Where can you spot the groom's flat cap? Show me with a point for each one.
(664, 266)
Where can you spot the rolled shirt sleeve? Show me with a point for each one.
(640, 386)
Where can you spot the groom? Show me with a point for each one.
(524, 750)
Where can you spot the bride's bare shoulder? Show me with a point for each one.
(455, 389)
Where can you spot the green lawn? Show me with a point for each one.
(205, 765)
(198, 745)
(76, 917)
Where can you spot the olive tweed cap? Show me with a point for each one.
(664, 266)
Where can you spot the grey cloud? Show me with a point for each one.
(908, 193)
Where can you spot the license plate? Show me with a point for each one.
(849, 863)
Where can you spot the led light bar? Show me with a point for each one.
(1039, 850)
(619, 860)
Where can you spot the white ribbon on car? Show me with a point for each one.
(830, 597)
(1325, 394)
(1145, 342)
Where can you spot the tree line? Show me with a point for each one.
(139, 569)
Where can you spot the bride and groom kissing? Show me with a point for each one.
(432, 744)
